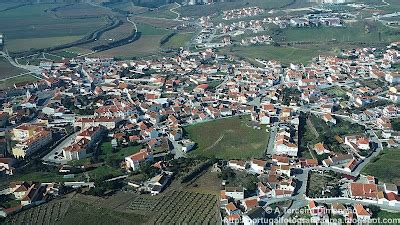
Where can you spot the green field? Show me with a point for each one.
(216, 8)
(178, 207)
(161, 12)
(229, 138)
(8, 70)
(351, 33)
(335, 91)
(148, 44)
(19, 45)
(178, 40)
(38, 21)
(286, 55)
(71, 211)
(107, 152)
(388, 215)
(9, 83)
(385, 166)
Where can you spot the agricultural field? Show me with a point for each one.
(216, 8)
(80, 10)
(230, 138)
(127, 7)
(387, 215)
(379, 168)
(20, 45)
(37, 21)
(356, 32)
(8, 70)
(208, 183)
(123, 31)
(71, 210)
(179, 207)
(148, 44)
(285, 55)
(161, 12)
(157, 22)
(178, 40)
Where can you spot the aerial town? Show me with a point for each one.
(91, 101)
(200, 135)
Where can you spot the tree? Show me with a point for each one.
(227, 174)
(148, 169)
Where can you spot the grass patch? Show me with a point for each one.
(335, 91)
(285, 55)
(229, 138)
(352, 33)
(8, 70)
(107, 153)
(388, 215)
(38, 21)
(9, 83)
(20, 45)
(385, 166)
(319, 184)
(178, 40)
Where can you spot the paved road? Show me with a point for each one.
(32, 69)
(60, 160)
(271, 143)
(353, 201)
(177, 151)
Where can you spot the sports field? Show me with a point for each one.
(230, 138)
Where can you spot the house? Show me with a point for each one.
(20, 190)
(223, 199)
(6, 166)
(338, 209)
(357, 142)
(32, 144)
(187, 145)
(306, 163)
(258, 165)
(328, 118)
(158, 183)
(320, 149)
(254, 216)
(284, 146)
(361, 213)
(132, 162)
(393, 77)
(263, 190)
(315, 209)
(237, 164)
(250, 204)
(236, 193)
(363, 191)
(84, 141)
(231, 209)
(390, 188)
(278, 193)
(338, 160)
(280, 160)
